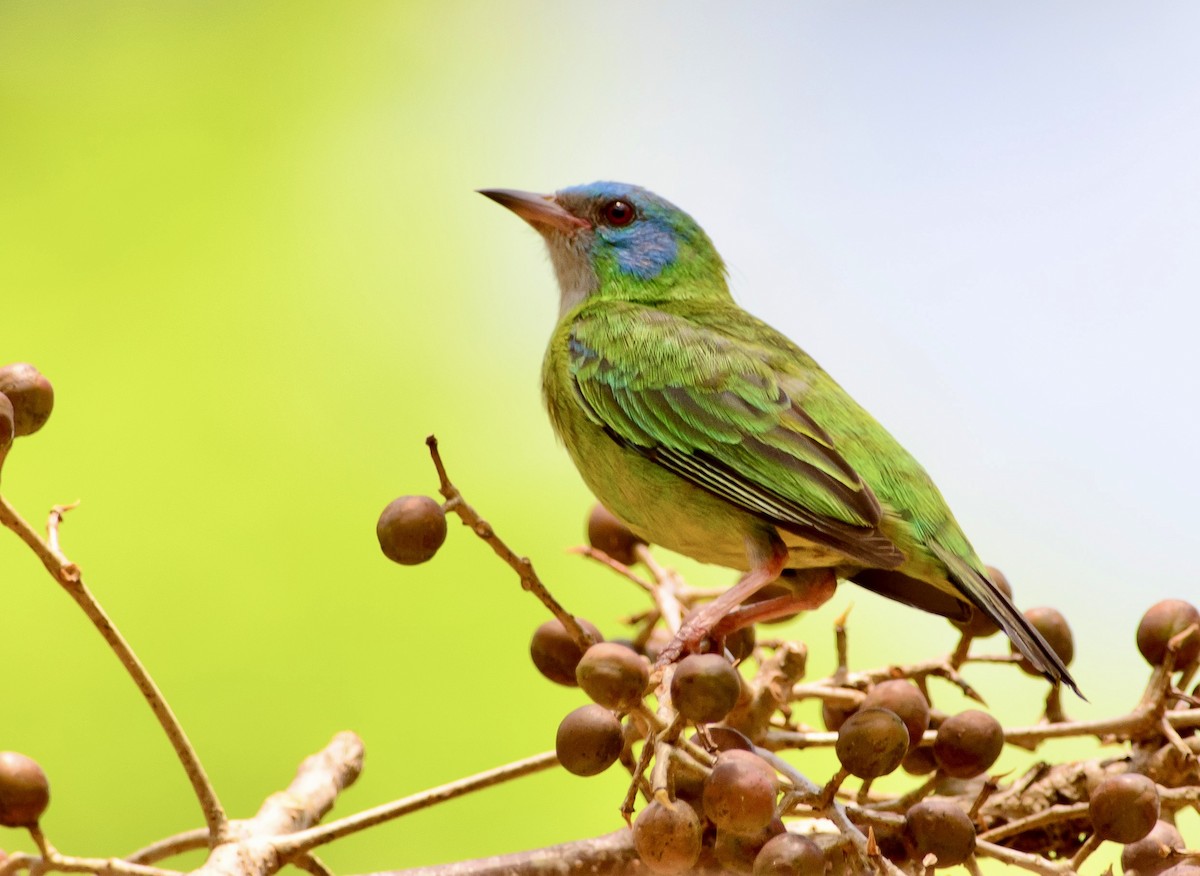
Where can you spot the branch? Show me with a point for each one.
(521, 565)
(307, 840)
(69, 577)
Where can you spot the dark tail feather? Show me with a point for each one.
(992, 602)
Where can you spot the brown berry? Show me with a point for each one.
(939, 827)
(978, 625)
(613, 675)
(1055, 630)
(667, 836)
(920, 761)
(834, 716)
(1124, 808)
(705, 687)
(7, 423)
(968, 743)
(872, 743)
(606, 533)
(790, 854)
(1160, 623)
(31, 396)
(589, 740)
(555, 653)
(736, 851)
(24, 790)
(906, 700)
(411, 529)
(739, 793)
(1151, 855)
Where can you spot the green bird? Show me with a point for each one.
(710, 433)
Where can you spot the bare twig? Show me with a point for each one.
(188, 841)
(521, 565)
(306, 840)
(69, 577)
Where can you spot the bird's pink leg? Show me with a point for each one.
(702, 622)
(817, 589)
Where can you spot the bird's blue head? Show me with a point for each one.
(620, 241)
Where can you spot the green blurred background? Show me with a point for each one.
(242, 241)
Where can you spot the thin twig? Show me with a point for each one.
(68, 575)
(307, 840)
(521, 565)
(188, 841)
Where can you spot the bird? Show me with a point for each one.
(710, 433)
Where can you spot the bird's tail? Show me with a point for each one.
(991, 601)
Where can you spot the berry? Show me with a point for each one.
(978, 625)
(919, 761)
(835, 716)
(906, 700)
(705, 687)
(24, 790)
(1055, 630)
(872, 743)
(613, 675)
(736, 852)
(555, 653)
(667, 836)
(739, 793)
(968, 743)
(1162, 621)
(789, 854)
(939, 827)
(31, 396)
(1124, 808)
(411, 529)
(606, 533)
(1149, 856)
(7, 423)
(589, 740)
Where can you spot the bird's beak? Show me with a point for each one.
(540, 211)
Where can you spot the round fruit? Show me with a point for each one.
(667, 836)
(736, 851)
(705, 687)
(920, 761)
(411, 529)
(24, 790)
(1055, 630)
(968, 743)
(790, 854)
(7, 422)
(613, 675)
(872, 743)
(31, 396)
(739, 793)
(1149, 856)
(939, 827)
(1160, 623)
(555, 653)
(1124, 808)
(835, 716)
(906, 700)
(979, 625)
(589, 740)
(606, 533)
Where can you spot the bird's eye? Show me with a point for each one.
(618, 213)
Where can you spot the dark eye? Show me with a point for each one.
(618, 213)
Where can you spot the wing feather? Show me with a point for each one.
(711, 411)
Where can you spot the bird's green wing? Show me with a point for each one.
(710, 409)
